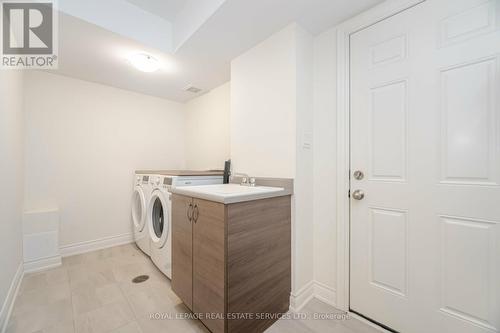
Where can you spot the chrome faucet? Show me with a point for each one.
(245, 179)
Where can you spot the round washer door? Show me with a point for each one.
(139, 209)
(158, 217)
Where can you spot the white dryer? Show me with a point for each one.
(140, 201)
(159, 215)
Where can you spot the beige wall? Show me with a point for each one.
(271, 113)
(325, 149)
(11, 175)
(304, 147)
(83, 143)
(274, 110)
(263, 107)
(207, 129)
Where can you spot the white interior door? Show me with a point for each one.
(425, 132)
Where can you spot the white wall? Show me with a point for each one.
(304, 196)
(283, 94)
(271, 111)
(207, 129)
(11, 175)
(263, 107)
(325, 143)
(83, 143)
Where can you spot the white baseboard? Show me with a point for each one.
(301, 297)
(11, 297)
(98, 244)
(42, 264)
(325, 293)
(313, 289)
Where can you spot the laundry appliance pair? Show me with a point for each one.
(152, 210)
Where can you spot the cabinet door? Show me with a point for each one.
(208, 263)
(182, 249)
(258, 261)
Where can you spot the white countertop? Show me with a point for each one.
(230, 193)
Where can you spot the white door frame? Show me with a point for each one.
(370, 17)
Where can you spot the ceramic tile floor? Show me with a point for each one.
(93, 292)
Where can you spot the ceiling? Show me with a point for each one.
(94, 53)
(168, 9)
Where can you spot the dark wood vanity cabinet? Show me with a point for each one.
(231, 264)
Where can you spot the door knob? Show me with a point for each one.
(358, 195)
(358, 175)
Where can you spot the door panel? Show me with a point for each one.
(425, 129)
(468, 146)
(182, 250)
(388, 250)
(388, 144)
(472, 242)
(209, 263)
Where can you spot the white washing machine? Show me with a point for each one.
(140, 200)
(159, 215)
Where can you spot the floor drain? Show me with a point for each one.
(140, 278)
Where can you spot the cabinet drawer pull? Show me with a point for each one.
(196, 213)
(190, 212)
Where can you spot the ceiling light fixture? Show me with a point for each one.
(144, 62)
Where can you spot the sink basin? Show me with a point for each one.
(229, 193)
(235, 189)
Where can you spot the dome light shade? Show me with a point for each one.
(144, 62)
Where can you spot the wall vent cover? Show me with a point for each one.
(192, 89)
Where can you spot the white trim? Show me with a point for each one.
(302, 297)
(313, 289)
(8, 304)
(325, 293)
(42, 264)
(370, 17)
(97, 244)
